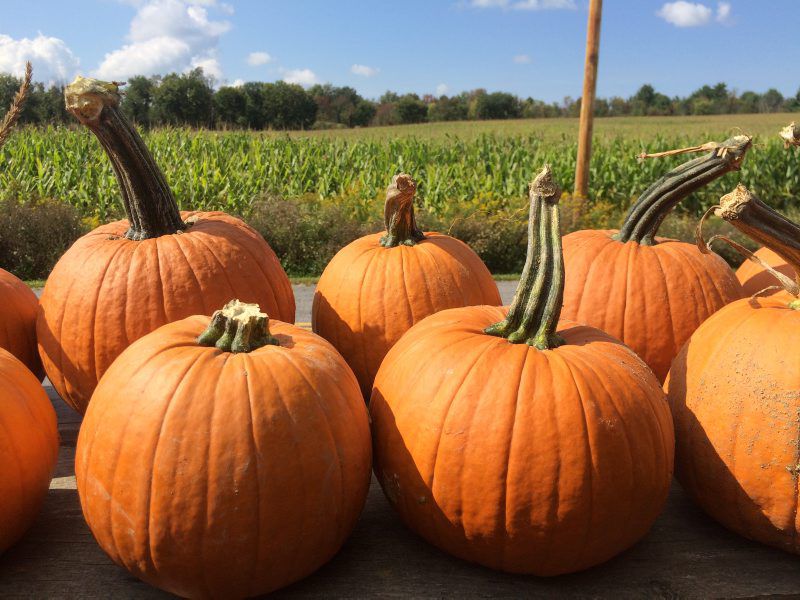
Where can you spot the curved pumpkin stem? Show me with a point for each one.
(238, 327)
(657, 201)
(533, 316)
(148, 200)
(398, 213)
(742, 209)
(790, 135)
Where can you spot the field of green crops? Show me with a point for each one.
(459, 166)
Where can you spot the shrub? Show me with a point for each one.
(34, 233)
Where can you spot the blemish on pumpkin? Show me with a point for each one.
(422, 500)
(391, 487)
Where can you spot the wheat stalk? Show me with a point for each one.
(15, 110)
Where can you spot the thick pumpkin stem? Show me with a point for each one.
(649, 211)
(742, 209)
(790, 135)
(238, 327)
(398, 213)
(148, 200)
(533, 316)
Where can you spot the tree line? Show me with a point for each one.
(191, 99)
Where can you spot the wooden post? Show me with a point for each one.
(587, 100)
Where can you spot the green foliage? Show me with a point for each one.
(184, 99)
(34, 233)
(137, 102)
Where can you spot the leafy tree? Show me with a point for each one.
(137, 101)
(771, 101)
(185, 99)
(410, 109)
(497, 105)
(448, 109)
(230, 106)
(288, 106)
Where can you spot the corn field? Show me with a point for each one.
(228, 170)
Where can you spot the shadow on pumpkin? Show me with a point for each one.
(716, 491)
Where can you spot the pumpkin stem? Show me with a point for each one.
(742, 209)
(238, 327)
(790, 135)
(533, 316)
(398, 213)
(649, 211)
(148, 200)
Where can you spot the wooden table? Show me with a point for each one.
(685, 555)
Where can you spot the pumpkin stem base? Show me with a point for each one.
(237, 328)
(398, 214)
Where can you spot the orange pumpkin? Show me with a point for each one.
(734, 391)
(527, 445)
(125, 279)
(652, 292)
(227, 465)
(28, 448)
(18, 321)
(378, 286)
(754, 278)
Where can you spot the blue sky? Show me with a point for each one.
(528, 47)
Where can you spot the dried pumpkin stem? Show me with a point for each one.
(742, 209)
(533, 316)
(398, 213)
(790, 135)
(646, 215)
(148, 200)
(238, 327)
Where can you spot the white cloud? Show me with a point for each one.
(524, 4)
(168, 35)
(442, 89)
(237, 83)
(52, 59)
(304, 77)
(685, 14)
(522, 59)
(724, 12)
(256, 59)
(364, 70)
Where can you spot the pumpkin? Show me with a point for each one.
(378, 286)
(734, 391)
(514, 440)
(755, 279)
(225, 456)
(648, 291)
(28, 448)
(18, 321)
(127, 278)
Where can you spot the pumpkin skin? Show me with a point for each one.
(559, 463)
(652, 298)
(108, 291)
(734, 391)
(213, 474)
(754, 278)
(28, 448)
(369, 296)
(18, 321)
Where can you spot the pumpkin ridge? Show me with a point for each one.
(198, 288)
(664, 280)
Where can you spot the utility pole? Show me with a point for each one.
(587, 101)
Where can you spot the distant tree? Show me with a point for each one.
(230, 107)
(185, 99)
(137, 99)
(410, 109)
(341, 105)
(771, 101)
(363, 114)
(288, 106)
(51, 107)
(498, 105)
(448, 109)
(619, 107)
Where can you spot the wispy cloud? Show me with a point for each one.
(522, 59)
(304, 77)
(685, 14)
(442, 89)
(524, 4)
(255, 59)
(724, 13)
(364, 70)
(168, 35)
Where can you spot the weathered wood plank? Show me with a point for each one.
(686, 555)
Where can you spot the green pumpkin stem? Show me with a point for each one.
(742, 209)
(398, 213)
(238, 327)
(646, 214)
(148, 200)
(533, 316)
